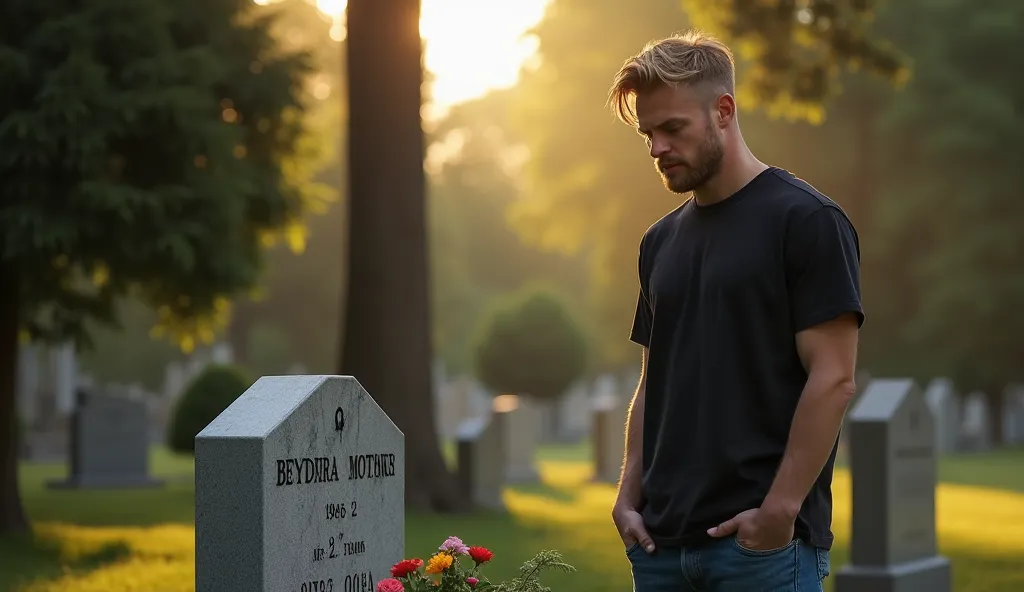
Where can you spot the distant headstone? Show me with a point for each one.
(481, 452)
(893, 463)
(944, 403)
(609, 437)
(522, 418)
(109, 443)
(300, 486)
(574, 415)
(1013, 414)
(976, 429)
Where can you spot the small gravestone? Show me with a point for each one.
(976, 426)
(300, 487)
(609, 437)
(481, 450)
(523, 418)
(893, 463)
(944, 402)
(109, 444)
(1013, 414)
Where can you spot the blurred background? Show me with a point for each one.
(227, 186)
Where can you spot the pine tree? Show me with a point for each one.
(144, 150)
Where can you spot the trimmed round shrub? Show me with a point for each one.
(530, 344)
(209, 394)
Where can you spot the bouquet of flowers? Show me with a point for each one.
(455, 567)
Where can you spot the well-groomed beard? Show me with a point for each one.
(692, 175)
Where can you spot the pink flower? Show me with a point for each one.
(390, 585)
(472, 581)
(455, 546)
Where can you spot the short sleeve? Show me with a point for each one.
(823, 269)
(644, 316)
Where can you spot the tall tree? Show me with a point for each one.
(144, 147)
(386, 341)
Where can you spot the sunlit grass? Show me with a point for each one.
(981, 529)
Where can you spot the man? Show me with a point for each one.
(748, 315)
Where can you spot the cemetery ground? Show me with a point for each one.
(143, 540)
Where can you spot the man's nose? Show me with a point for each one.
(659, 148)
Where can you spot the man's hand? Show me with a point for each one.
(630, 525)
(758, 529)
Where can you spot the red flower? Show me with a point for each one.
(472, 581)
(405, 567)
(480, 554)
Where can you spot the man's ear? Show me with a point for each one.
(725, 109)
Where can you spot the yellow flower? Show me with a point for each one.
(439, 563)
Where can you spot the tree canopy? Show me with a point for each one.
(147, 148)
(530, 344)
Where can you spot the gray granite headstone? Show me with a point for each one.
(893, 463)
(1013, 414)
(300, 487)
(944, 402)
(609, 437)
(481, 452)
(109, 444)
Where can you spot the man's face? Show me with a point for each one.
(685, 145)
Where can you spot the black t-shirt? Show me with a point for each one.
(724, 288)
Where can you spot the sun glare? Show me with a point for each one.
(472, 46)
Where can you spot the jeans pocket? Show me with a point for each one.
(633, 547)
(761, 552)
(823, 563)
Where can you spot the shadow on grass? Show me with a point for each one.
(26, 558)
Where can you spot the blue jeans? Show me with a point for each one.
(725, 566)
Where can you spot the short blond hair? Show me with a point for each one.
(691, 58)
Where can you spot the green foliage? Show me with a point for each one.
(475, 254)
(529, 580)
(950, 222)
(530, 344)
(209, 394)
(128, 353)
(792, 54)
(146, 149)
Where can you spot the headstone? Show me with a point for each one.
(481, 450)
(893, 460)
(609, 437)
(574, 422)
(109, 444)
(944, 403)
(976, 428)
(174, 382)
(300, 486)
(1013, 414)
(222, 353)
(452, 406)
(522, 431)
(65, 366)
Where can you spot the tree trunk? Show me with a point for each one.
(12, 514)
(386, 342)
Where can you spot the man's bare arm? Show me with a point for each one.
(829, 353)
(629, 493)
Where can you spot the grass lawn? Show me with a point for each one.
(142, 541)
